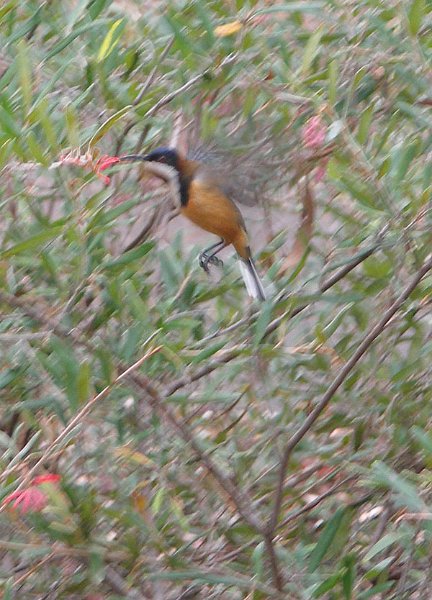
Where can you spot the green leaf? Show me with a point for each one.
(333, 70)
(334, 324)
(379, 568)
(36, 149)
(5, 151)
(25, 74)
(135, 303)
(423, 438)
(348, 578)
(8, 124)
(158, 499)
(326, 539)
(8, 587)
(311, 50)
(110, 42)
(28, 26)
(312, 6)
(83, 382)
(6, 8)
(327, 585)
(376, 590)
(95, 7)
(203, 577)
(385, 542)
(258, 556)
(416, 13)
(402, 159)
(364, 124)
(207, 352)
(42, 112)
(72, 126)
(33, 242)
(262, 322)
(405, 490)
(104, 217)
(108, 124)
(377, 268)
(360, 191)
(128, 257)
(73, 35)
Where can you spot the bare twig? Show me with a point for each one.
(367, 341)
(61, 550)
(186, 86)
(150, 79)
(80, 416)
(313, 503)
(274, 564)
(118, 585)
(240, 500)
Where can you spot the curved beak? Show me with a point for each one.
(135, 157)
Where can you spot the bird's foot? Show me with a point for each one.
(205, 261)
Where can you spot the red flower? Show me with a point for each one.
(321, 170)
(103, 163)
(88, 160)
(49, 478)
(31, 499)
(313, 133)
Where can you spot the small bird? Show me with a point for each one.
(204, 199)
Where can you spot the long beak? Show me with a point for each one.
(134, 157)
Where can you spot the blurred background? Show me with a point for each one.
(160, 435)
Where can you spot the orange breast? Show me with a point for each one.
(211, 210)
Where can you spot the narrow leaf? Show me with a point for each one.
(415, 15)
(109, 42)
(326, 539)
(311, 49)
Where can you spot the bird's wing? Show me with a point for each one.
(239, 181)
(211, 177)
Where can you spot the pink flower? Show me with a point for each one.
(321, 170)
(313, 133)
(49, 478)
(31, 499)
(88, 160)
(103, 163)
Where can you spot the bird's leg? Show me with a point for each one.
(205, 258)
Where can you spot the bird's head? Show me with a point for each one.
(162, 161)
(166, 156)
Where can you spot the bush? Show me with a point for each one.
(209, 447)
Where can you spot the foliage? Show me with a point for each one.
(190, 475)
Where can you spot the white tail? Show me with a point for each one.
(252, 281)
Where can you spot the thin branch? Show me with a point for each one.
(273, 325)
(344, 270)
(118, 584)
(274, 563)
(313, 503)
(61, 550)
(151, 77)
(79, 417)
(239, 499)
(169, 97)
(363, 347)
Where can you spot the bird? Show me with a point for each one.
(204, 198)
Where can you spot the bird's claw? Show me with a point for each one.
(205, 261)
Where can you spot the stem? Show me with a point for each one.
(364, 346)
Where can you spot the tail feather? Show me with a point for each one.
(251, 278)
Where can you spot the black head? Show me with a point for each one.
(166, 156)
